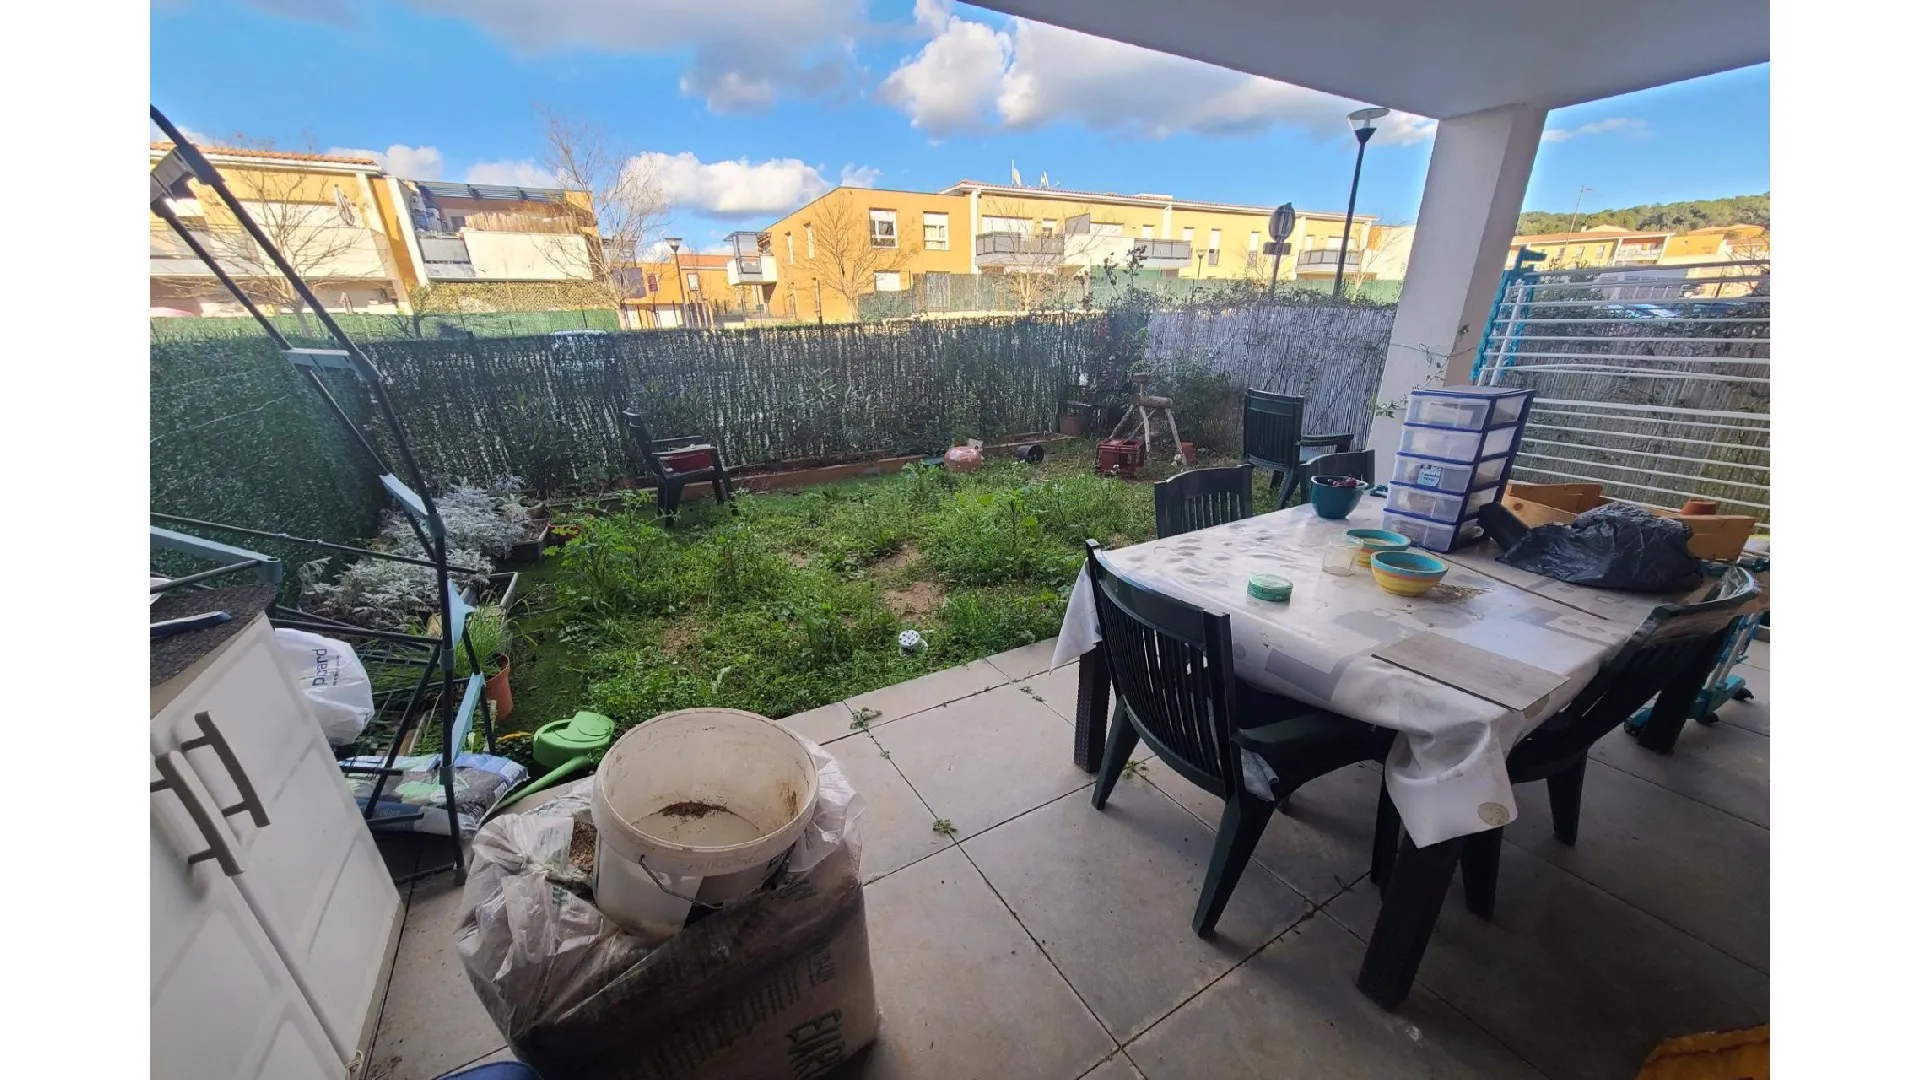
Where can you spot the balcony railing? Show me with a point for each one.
(1004, 243)
(1160, 252)
(1329, 258)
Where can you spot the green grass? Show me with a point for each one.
(798, 601)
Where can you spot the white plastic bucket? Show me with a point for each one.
(692, 805)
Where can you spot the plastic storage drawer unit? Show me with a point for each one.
(1454, 445)
(1451, 477)
(1433, 535)
(1425, 502)
(1468, 408)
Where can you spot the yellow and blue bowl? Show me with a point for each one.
(1407, 573)
(1372, 542)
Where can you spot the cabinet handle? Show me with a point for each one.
(211, 738)
(172, 767)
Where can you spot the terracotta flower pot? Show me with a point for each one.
(499, 689)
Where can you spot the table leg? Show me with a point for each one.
(1409, 909)
(1090, 711)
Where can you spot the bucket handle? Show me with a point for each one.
(779, 865)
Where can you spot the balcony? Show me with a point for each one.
(1000, 248)
(1163, 253)
(490, 255)
(1328, 259)
(752, 270)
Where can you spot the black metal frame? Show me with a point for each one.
(168, 181)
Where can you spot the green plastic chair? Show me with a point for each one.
(1174, 688)
(1202, 498)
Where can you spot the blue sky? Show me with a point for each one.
(743, 116)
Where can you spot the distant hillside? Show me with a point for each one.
(1661, 217)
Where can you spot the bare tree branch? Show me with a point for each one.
(843, 256)
(624, 209)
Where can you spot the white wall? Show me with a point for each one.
(506, 256)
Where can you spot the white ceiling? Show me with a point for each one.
(1437, 58)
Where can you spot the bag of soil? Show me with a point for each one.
(1613, 546)
(777, 985)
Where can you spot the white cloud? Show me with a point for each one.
(859, 176)
(406, 162)
(744, 56)
(1598, 127)
(734, 188)
(970, 76)
(197, 138)
(521, 173)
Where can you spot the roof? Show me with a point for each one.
(496, 192)
(282, 155)
(1133, 200)
(1593, 235)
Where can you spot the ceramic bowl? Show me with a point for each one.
(1407, 573)
(1333, 503)
(1373, 541)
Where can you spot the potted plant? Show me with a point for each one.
(488, 634)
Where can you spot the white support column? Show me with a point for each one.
(1475, 182)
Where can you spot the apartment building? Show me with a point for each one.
(853, 241)
(365, 241)
(337, 219)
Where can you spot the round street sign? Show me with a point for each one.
(1280, 225)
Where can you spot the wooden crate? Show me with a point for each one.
(1714, 1055)
(1715, 536)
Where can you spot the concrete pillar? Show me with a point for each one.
(1475, 181)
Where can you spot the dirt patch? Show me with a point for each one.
(918, 600)
(580, 851)
(798, 559)
(892, 568)
(691, 809)
(679, 636)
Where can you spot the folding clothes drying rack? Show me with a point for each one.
(406, 668)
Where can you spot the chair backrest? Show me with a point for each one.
(1270, 428)
(1673, 641)
(641, 437)
(1202, 498)
(1172, 669)
(1356, 463)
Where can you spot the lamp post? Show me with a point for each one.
(1362, 121)
(673, 245)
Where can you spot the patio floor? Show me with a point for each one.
(1045, 940)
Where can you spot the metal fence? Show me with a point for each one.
(1651, 380)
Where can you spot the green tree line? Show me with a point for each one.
(1657, 217)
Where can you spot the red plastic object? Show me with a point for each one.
(1123, 456)
(687, 460)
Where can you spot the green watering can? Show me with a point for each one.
(565, 747)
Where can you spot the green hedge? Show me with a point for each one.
(237, 435)
(379, 327)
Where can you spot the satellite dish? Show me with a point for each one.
(1280, 225)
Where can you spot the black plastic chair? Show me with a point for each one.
(669, 481)
(1172, 670)
(1676, 645)
(1270, 438)
(1202, 498)
(1354, 463)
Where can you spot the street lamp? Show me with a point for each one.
(1362, 121)
(673, 245)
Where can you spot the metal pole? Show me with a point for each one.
(683, 288)
(1353, 195)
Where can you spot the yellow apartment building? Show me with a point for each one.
(368, 242)
(853, 241)
(338, 220)
(1695, 255)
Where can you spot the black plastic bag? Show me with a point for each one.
(1613, 546)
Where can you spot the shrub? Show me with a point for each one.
(987, 621)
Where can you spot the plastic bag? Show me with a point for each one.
(480, 781)
(1613, 546)
(737, 994)
(335, 684)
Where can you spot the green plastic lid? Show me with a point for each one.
(1270, 587)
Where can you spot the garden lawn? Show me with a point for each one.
(799, 600)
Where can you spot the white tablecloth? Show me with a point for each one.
(1447, 770)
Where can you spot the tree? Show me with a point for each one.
(1043, 271)
(1658, 217)
(841, 255)
(621, 211)
(319, 228)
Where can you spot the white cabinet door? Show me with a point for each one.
(313, 874)
(223, 1005)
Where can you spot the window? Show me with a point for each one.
(1049, 227)
(1213, 247)
(809, 241)
(888, 281)
(1213, 256)
(883, 228)
(1187, 234)
(934, 226)
(789, 246)
(693, 281)
(1146, 232)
